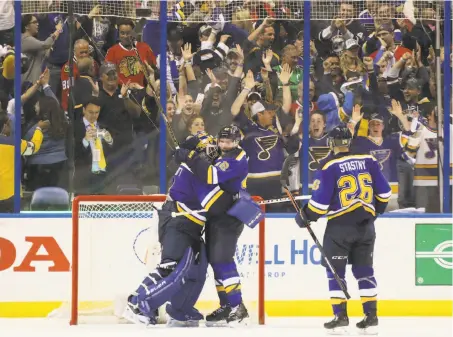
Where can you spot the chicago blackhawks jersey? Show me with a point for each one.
(128, 65)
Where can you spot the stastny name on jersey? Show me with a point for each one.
(352, 166)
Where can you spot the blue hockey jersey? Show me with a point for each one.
(190, 193)
(264, 148)
(348, 183)
(228, 171)
(386, 152)
(318, 150)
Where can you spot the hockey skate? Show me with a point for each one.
(369, 325)
(338, 326)
(177, 319)
(133, 314)
(238, 316)
(218, 317)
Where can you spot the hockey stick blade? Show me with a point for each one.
(283, 180)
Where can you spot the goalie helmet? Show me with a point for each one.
(207, 144)
(339, 136)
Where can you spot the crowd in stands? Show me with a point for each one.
(235, 61)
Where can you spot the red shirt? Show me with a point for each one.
(65, 80)
(295, 106)
(129, 67)
(399, 52)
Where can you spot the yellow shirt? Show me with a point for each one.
(7, 160)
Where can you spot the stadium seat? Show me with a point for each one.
(150, 190)
(50, 199)
(129, 190)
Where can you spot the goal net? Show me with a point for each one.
(115, 245)
(197, 11)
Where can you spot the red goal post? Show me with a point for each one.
(123, 206)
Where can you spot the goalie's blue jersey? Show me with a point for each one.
(190, 193)
(348, 185)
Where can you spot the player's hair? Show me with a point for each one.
(125, 22)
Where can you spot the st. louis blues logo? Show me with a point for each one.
(433, 146)
(266, 144)
(317, 153)
(381, 156)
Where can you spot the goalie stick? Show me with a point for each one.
(263, 202)
(283, 180)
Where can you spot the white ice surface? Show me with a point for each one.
(275, 327)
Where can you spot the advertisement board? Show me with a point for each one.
(35, 264)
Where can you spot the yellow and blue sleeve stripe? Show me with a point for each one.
(317, 207)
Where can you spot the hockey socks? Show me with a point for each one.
(337, 297)
(228, 276)
(367, 288)
(221, 292)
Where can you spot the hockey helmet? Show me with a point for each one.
(339, 136)
(207, 144)
(230, 132)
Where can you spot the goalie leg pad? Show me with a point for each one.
(246, 210)
(184, 299)
(337, 297)
(227, 273)
(151, 295)
(367, 287)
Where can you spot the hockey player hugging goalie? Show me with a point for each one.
(181, 274)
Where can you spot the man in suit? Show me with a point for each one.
(92, 144)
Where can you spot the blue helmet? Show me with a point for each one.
(340, 136)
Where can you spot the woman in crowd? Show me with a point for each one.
(47, 167)
(36, 50)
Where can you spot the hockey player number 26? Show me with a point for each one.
(353, 188)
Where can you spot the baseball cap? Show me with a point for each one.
(233, 51)
(351, 43)
(377, 117)
(205, 30)
(261, 106)
(254, 93)
(107, 68)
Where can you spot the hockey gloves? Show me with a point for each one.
(182, 155)
(301, 222)
(190, 143)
